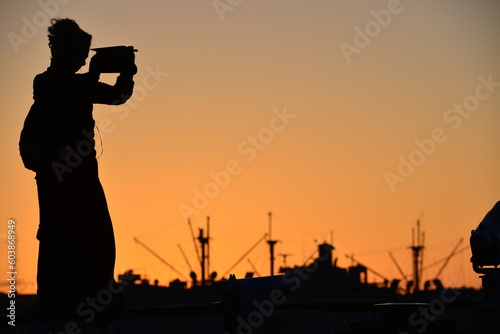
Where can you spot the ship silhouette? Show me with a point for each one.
(316, 297)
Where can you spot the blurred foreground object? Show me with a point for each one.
(485, 242)
(485, 247)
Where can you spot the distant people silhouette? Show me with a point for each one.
(76, 241)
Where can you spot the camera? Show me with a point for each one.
(114, 59)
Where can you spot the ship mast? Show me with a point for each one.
(271, 244)
(205, 252)
(417, 247)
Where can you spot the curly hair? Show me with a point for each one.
(67, 39)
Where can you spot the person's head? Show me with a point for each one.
(69, 45)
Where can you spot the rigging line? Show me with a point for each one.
(159, 230)
(215, 255)
(185, 257)
(380, 251)
(444, 259)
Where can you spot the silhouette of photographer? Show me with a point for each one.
(76, 241)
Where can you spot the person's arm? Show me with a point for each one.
(119, 93)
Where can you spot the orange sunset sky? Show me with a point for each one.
(351, 118)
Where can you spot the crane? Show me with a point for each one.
(444, 260)
(194, 240)
(448, 258)
(351, 257)
(399, 268)
(253, 267)
(245, 255)
(159, 257)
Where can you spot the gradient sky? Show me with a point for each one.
(348, 117)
